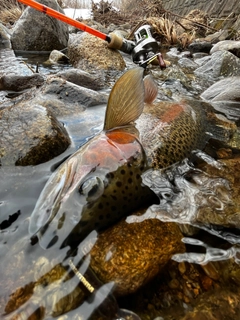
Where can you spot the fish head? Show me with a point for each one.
(101, 181)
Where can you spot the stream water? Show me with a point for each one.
(183, 190)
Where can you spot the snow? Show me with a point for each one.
(77, 13)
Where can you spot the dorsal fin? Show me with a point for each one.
(150, 88)
(126, 100)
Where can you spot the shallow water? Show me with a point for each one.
(25, 63)
(20, 187)
(182, 190)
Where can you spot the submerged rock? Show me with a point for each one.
(127, 254)
(30, 135)
(222, 206)
(218, 304)
(131, 254)
(36, 31)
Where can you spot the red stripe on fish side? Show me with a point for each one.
(172, 113)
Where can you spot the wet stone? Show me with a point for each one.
(227, 45)
(200, 46)
(48, 33)
(224, 203)
(57, 57)
(20, 83)
(227, 89)
(82, 78)
(30, 135)
(88, 53)
(222, 63)
(131, 254)
(72, 97)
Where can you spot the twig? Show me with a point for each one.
(181, 25)
(29, 67)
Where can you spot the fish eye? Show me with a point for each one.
(92, 188)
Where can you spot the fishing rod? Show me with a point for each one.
(143, 52)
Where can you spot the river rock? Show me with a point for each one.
(228, 45)
(20, 83)
(82, 78)
(57, 57)
(30, 135)
(131, 254)
(67, 98)
(218, 304)
(222, 63)
(4, 37)
(36, 31)
(224, 96)
(187, 64)
(200, 46)
(227, 89)
(88, 53)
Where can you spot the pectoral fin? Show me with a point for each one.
(151, 89)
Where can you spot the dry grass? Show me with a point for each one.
(9, 4)
(165, 28)
(9, 16)
(196, 21)
(10, 11)
(166, 32)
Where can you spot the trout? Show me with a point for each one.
(101, 182)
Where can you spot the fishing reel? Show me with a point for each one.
(146, 49)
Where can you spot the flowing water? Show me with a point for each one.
(184, 190)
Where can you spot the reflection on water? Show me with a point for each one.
(25, 63)
(211, 254)
(189, 196)
(35, 61)
(9, 64)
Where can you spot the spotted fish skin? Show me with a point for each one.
(101, 182)
(170, 131)
(119, 189)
